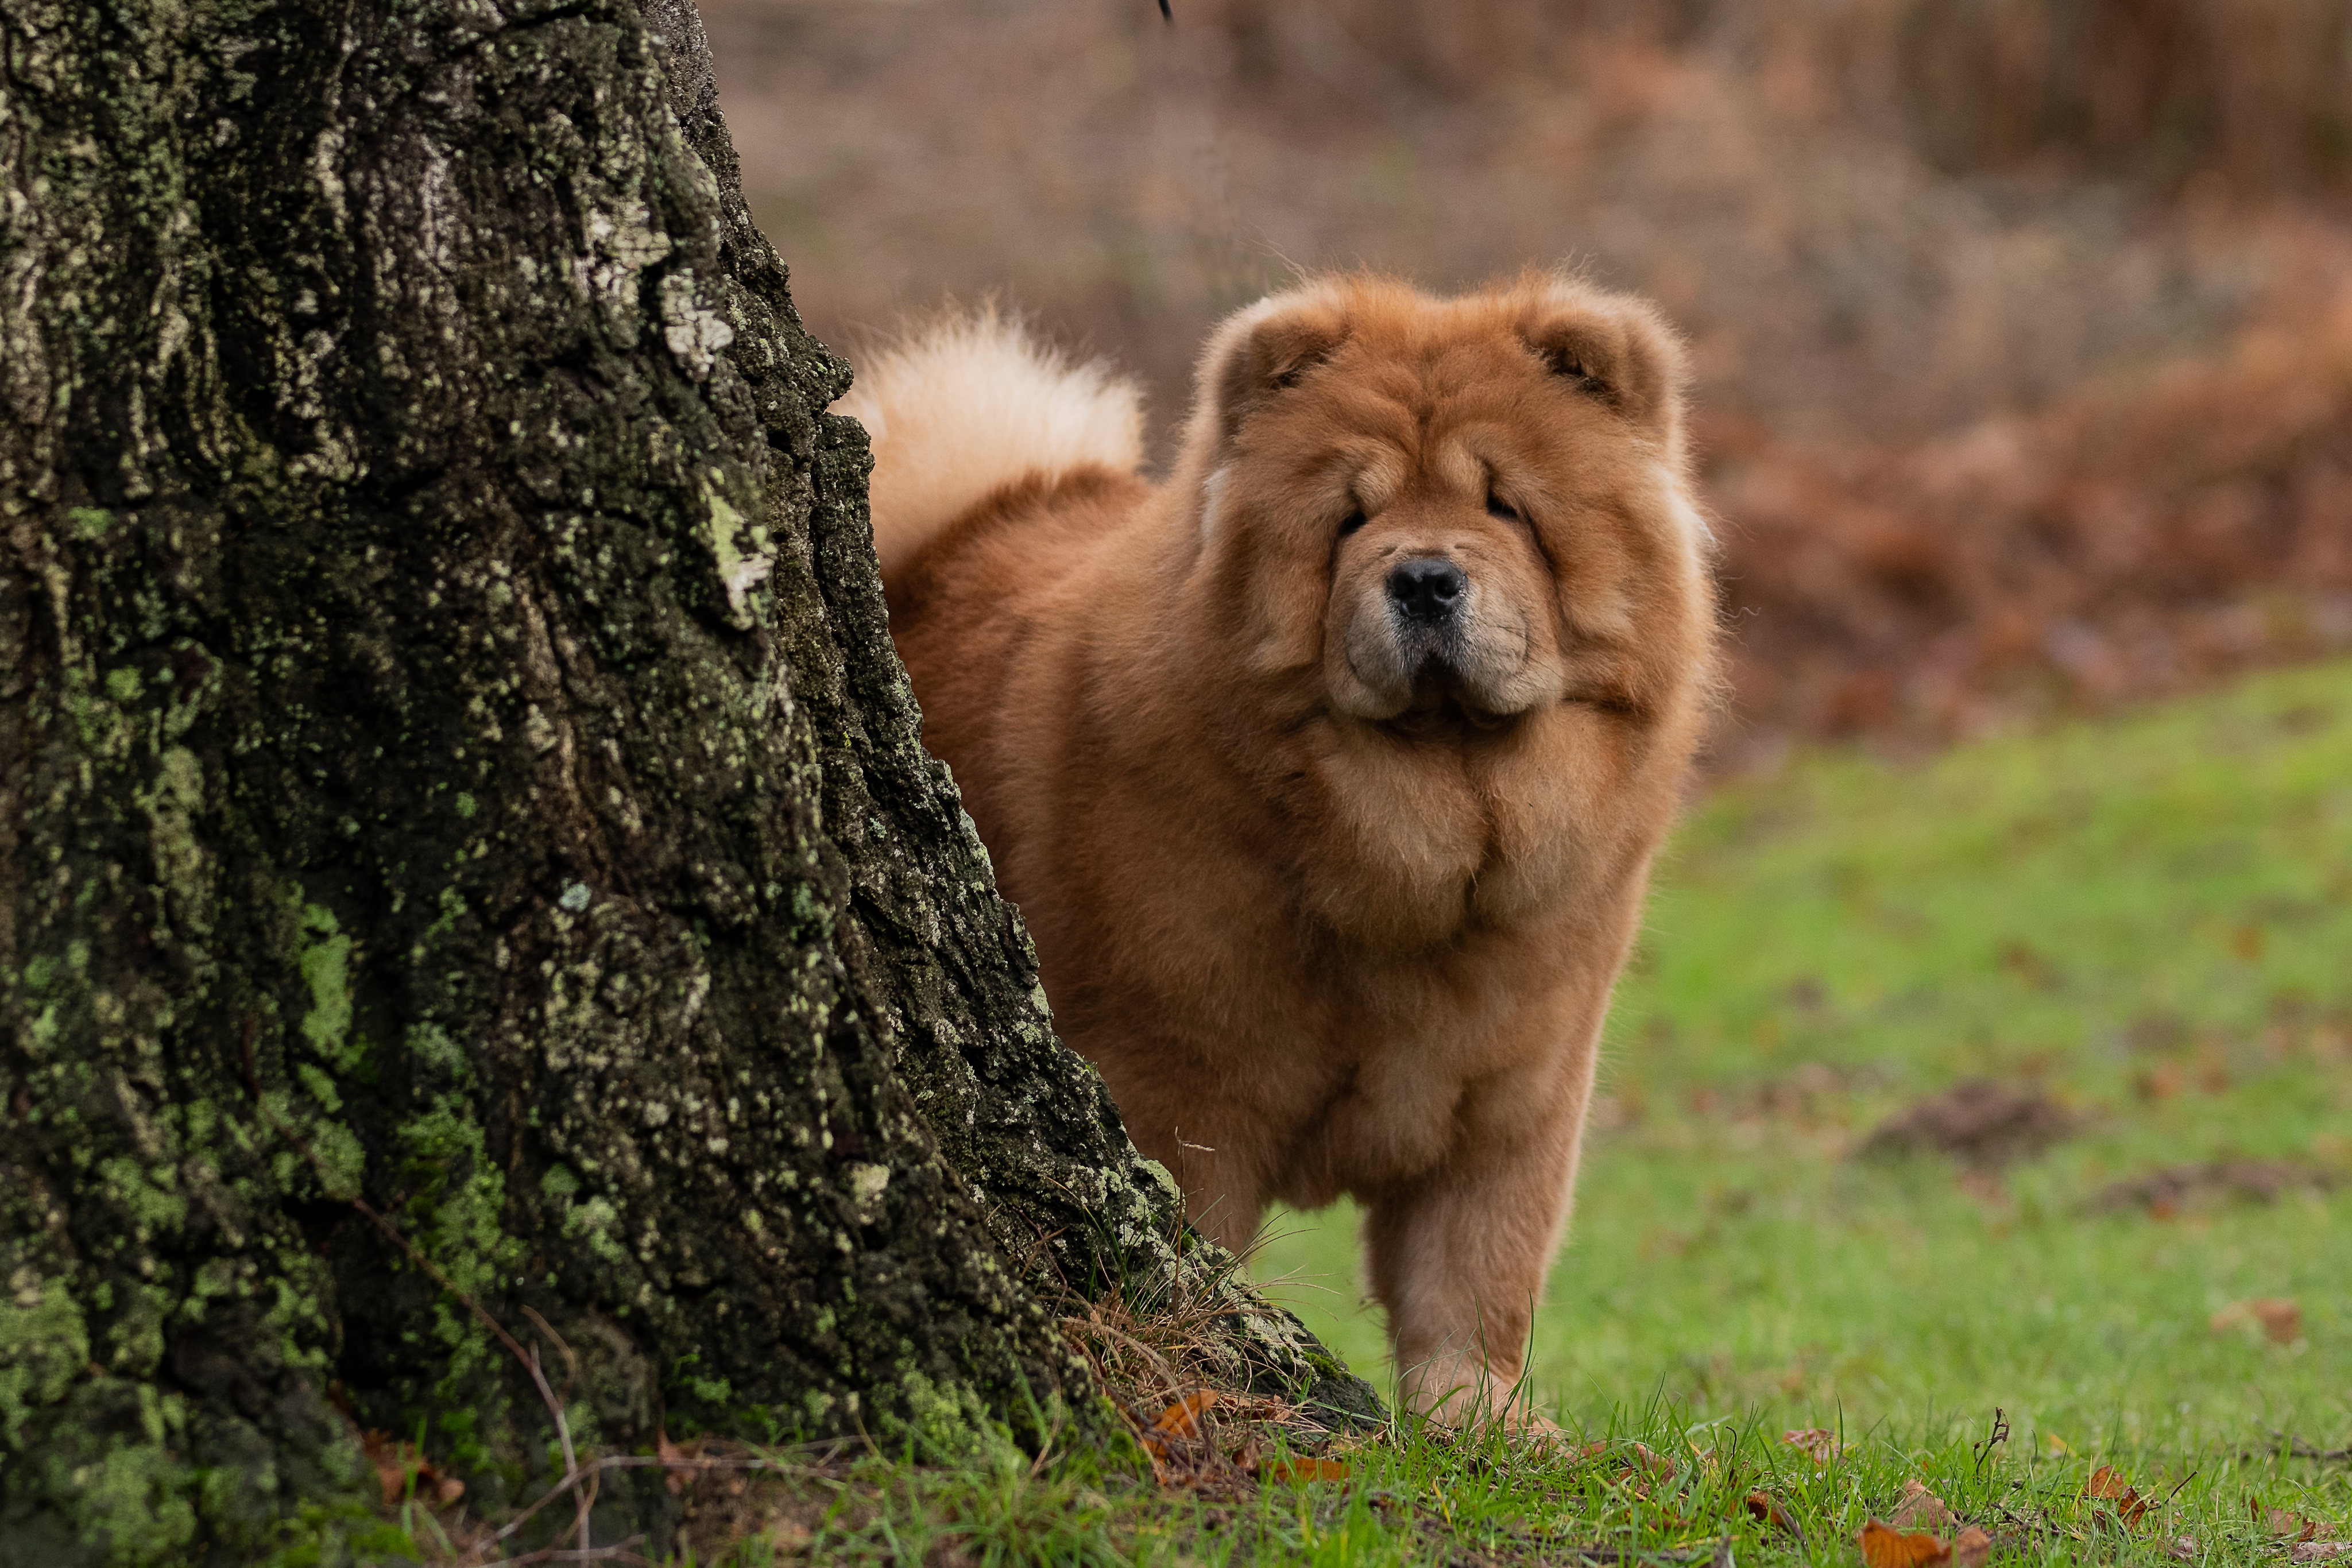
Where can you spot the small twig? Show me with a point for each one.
(2005, 1513)
(326, 1179)
(570, 1361)
(2296, 1448)
(583, 1497)
(587, 1499)
(596, 1466)
(1998, 1435)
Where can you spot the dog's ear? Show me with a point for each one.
(1617, 350)
(1265, 351)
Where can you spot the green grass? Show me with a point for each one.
(2108, 911)
(2151, 920)
(1423, 1497)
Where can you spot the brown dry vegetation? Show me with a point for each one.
(2023, 326)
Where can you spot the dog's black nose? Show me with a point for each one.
(1428, 589)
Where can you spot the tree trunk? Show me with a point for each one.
(452, 758)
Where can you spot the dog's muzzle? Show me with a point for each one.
(1429, 608)
(1428, 590)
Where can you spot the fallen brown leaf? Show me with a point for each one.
(2181, 1549)
(1884, 1546)
(1920, 1508)
(384, 1452)
(2286, 1524)
(1971, 1549)
(2280, 1319)
(395, 1460)
(2293, 1527)
(1819, 1443)
(1299, 1471)
(2319, 1550)
(1180, 1422)
(670, 1453)
(1183, 1419)
(1187, 1452)
(1649, 1460)
(2107, 1485)
(1769, 1509)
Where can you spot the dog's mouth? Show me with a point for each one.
(1444, 702)
(1464, 673)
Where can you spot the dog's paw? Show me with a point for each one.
(1468, 1396)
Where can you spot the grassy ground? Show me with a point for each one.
(2149, 921)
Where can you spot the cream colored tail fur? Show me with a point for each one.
(970, 404)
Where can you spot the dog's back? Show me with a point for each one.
(969, 405)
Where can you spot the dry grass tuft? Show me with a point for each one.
(1185, 1382)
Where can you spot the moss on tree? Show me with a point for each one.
(451, 756)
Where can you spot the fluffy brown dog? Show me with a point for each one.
(1328, 773)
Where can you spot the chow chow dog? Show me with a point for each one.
(1328, 771)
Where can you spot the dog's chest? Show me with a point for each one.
(1393, 1103)
(1428, 858)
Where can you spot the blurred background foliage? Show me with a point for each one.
(2023, 339)
(2023, 327)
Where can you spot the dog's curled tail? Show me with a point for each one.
(967, 404)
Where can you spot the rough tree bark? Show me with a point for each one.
(451, 756)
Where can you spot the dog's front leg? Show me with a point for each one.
(1458, 1259)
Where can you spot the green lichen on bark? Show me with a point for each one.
(1026, 1126)
(451, 756)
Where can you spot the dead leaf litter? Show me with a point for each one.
(1979, 1122)
(2173, 1189)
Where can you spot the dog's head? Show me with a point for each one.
(1449, 512)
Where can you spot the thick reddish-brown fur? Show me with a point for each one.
(1335, 900)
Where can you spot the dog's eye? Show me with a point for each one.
(1351, 523)
(1499, 507)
